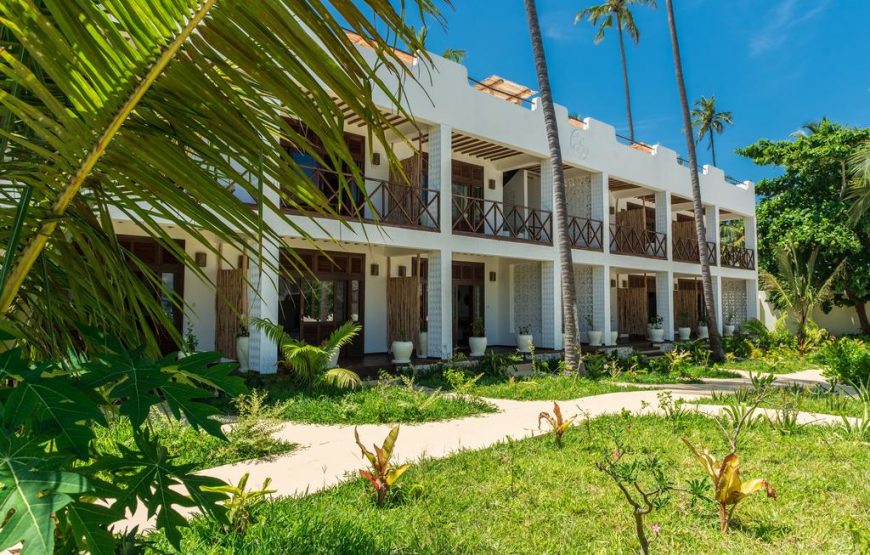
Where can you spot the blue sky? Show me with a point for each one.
(774, 64)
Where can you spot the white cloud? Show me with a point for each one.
(781, 20)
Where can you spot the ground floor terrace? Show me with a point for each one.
(436, 298)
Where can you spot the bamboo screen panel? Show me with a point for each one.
(414, 168)
(632, 303)
(403, 309)
(686, 299)
(231, 305)
(634, 218)
(684, 231)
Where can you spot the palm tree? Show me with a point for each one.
(708, 121)
(859, 193)
(718, 354)
(618, 13)
(455, 55)
(569, 294)
(797, 288)
(310, 364)
(151, 109)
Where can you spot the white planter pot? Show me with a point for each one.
(242, 344)
(423, 345)
(402, 351)
(685, 333)
(614, 336)
(657, 335)
(594, 338)
(703, 332)
(524, 343)
(333, 360)
(649, 331)
(477, 345)
(729, 330)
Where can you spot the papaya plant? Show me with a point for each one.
(728, 488)
(383, 475)
(556, 422)
(240, 501)
(59, 490)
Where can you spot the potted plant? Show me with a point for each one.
(656, 329)
(614, 337)
(423, 344)
(729, 324)
(402, 347)
(524, 339)
(684, 330)
(593, 334)
(243, 342)
(477, 341)
(703, 331)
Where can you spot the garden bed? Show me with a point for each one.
(796, 398)
(531, 497)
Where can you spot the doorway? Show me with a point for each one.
(468, 299)
(169, 271)
(322, 292)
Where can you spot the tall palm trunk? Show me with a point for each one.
(625, 79)
(569, 295)
(713, 148)
(715, 341)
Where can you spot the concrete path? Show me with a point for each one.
(327, 454)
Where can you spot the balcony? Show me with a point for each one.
(637, 242)
(735, 256)
(382, 202)
(498, 220)
(686, 250)
(584, 233)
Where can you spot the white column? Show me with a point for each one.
(601, 300)
(601, 208)
(440, 304)
(263, 303)
(440, 172)
(751, 237)
(711, 222)
(665, 301)
(547, 189)
(717, 301)
(663, 220)
(551, 305)
(751, 299)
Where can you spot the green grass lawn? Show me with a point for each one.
(839, 405)
(190, 446)
(531, 497)
(783, 366)
(373, 405)
(545, 388)
(692, 374)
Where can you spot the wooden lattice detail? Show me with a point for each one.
(738, 257)
(492, 218)
(231, 306)
(403, 309)
(585, 233)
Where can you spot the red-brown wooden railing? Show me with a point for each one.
(381, 201)
(686, 250)
(638, 242)
(477, 216)
(585, 233)
(738, 257)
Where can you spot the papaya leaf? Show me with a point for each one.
(90, 527)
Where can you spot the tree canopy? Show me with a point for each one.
(807, 207)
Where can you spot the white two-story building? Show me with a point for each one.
(472, 236)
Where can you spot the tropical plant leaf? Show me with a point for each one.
(31, 494)
(90, 527)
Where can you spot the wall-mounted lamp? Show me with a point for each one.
(374, 269)
(492, 276)
(376, 158)
(403, 271)
(492, 184)
(201, 259)
(613, 283)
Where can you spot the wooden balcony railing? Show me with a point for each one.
(585, 233)
(382, 202)
(686, 250)
(477, 216)
(638, 242)
(738, 257)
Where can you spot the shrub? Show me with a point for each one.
(383, 475)
(556, 421)
(848, 360)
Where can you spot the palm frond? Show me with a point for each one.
(172, 113)
(342, 335)
(342, 378)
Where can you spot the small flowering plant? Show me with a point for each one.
(641, 479)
